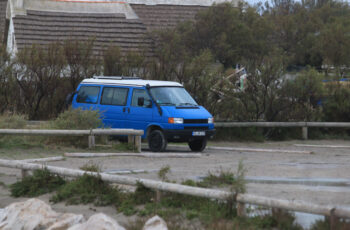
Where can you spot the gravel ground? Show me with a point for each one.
(322, 163)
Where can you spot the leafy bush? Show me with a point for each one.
(74, 119)
(41, 182)
(88, 189)
(77, 119)
(12, 121)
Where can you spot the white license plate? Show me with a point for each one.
(198, 133)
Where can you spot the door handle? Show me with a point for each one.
(124, 110)
(128, 110)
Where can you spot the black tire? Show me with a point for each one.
(198, 145)
(157, 141)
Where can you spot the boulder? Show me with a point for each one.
(155, 223)
(35, 214)
(98, 221)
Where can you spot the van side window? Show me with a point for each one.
(136, 94)
(88, 94)
(114, 96)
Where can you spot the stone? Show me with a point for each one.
(35, 214)
(98, 221)
(155, 223)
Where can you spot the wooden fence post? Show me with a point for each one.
(24, 173)
(241, 209)
(91, 140)
(304, 132)
(158, 196)
(333, 220)
(137, 143)
(130, 139)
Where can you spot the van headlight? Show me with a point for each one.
(175, 120)
(211, 120)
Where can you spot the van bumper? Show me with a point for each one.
(180, 135)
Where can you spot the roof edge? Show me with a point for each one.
(181, 2)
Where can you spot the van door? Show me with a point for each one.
(113, 106)
(141, 110)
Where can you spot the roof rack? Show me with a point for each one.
(117, 77)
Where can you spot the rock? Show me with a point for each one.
(155, 223)
(98, 221)
(35, 214)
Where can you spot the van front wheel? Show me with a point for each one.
(198, 145)
(157, 141)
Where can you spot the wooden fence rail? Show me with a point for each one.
(293, 205)
(134, 134)
(304, 125)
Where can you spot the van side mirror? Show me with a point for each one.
(140, 101)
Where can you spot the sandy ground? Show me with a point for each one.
(323, 163)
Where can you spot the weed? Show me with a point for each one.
(88, 189)
(12, 122)
(91, 167)
(42, 181)
(162, 174)
(123, 147)
(235, 181)
(325, 224)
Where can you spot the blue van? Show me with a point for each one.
(163, 109)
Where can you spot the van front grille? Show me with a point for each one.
(197, 127)
(195, 121)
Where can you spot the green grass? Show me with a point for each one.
(222, 178)
(88, 189)
(91, 167)
(41, 182)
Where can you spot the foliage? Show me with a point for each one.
(91, 167)
(304, 93)
(6, 81)
(77, 119)
(336, 105)
(39, 70)
(325, 224)
(162, 173)
(41, 182)
(81, 61)
(12, 121)
(224, 178)
(88, 189)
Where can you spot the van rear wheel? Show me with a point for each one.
(198, 145)
(157, 141)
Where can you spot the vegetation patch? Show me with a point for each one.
(8, 121)
(91, 167)
(235, 181)
(163, 173)
(42, 181)
(77, 119)
(325, 224)
(88, 189)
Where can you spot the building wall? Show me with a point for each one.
(3, 5)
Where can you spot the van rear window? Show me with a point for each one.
(114, 96)
(88, 94)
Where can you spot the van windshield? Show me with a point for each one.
(176, 96)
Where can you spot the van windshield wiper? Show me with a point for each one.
(166, 103)
(186, 103)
